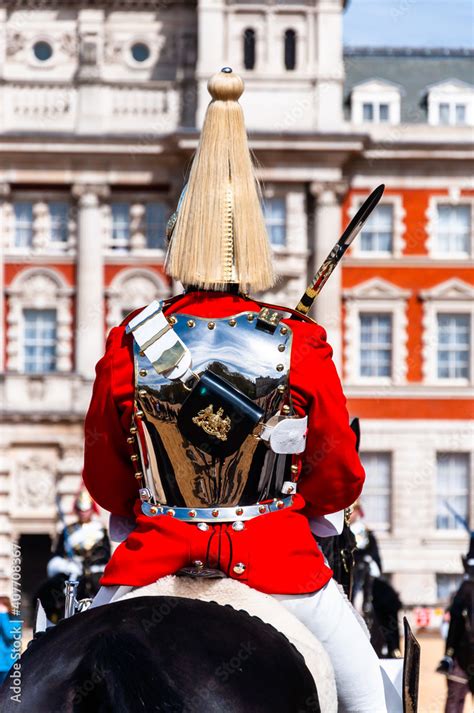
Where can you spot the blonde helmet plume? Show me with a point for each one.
(220, 234)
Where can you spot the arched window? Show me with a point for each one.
(290, 49)
(130, 289)
(39, 333)
(249, 48)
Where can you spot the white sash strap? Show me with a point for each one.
(159, 342)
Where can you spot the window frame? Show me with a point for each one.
(41, 243)
(253, 34)
(39, 288)
(467, 349)
(24, 342)
(381, 526)
(376, 92)
(278, 247)
(465, 492)
(452, 296)
(376, 296)
(290, 52)
(398, 228)
(436, 202)
(376, 346)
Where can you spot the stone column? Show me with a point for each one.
(89, 326)
(212, 55)
(327, 228)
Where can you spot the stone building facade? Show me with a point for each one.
(100, 106)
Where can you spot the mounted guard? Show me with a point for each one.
(225, 441)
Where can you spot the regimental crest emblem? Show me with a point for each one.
(215, 424)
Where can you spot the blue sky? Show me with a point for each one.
(409, 23)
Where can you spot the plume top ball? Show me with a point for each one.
(225, 85)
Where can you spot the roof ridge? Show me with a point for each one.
(409, 51)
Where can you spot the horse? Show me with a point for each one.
(162, 654)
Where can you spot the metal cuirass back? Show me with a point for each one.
(255, 362)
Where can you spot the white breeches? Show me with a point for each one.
(330, 617)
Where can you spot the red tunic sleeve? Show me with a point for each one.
(108, 472)
(332, 475)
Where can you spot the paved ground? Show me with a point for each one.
(433, 685)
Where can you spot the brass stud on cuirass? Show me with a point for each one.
(172, 319)
(232, 322)
(215, 513)
(239, 511)
(262, 509)
(281, 388)
(171, 513)
(153, 510)
(143, 372)
(211, 325)
(250, 317)
(192, 513)
(284, 330)
(191, 323)
(286, 410)
(280, 504)
(281, 347)
(280, 367)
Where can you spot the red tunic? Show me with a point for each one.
(278, 549)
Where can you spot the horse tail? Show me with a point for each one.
(111, 676)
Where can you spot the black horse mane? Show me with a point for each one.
(163, 655)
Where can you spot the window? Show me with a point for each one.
(454, 337)
(444, 114)
(249, 48)
(39, 342)
(452, 486)
(140, 52)
(376, 493)
(376, 112)
(451, 113)
(59, 216)
(155, 225)
(42, 51)
(368, 111)
(290, 49)
(453, 228)
(377, 235)
(446, 586)
(375, 344)
(383, 112)
(120, 226)
(275, 220)
(460, 114)
(23, 224)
